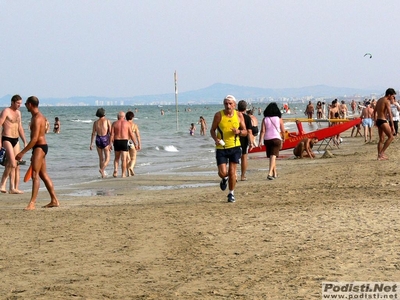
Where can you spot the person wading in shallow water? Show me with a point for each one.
(39, 148)
(101, 131)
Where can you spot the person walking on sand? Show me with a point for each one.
(101, 131)
(254, 127)
(227, 126)
(121, 132)
(366, 115)
(272, 135)
(11, 121)
(395, 107)
(381, 111)
(39, 148)
(245, 141)
(132, 150)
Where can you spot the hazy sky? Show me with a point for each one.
(64, 48)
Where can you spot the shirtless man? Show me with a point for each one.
(10, 119)
(132, 149)
(367, 122)
(305, 145)
(381, 111)
(102, 130)
(353, 106)
(309, 110)
(334, 110)
(39, 148)
(121, 132)
(343, 110)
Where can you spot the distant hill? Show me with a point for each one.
(213, 94)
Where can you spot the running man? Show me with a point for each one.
(11, 121)
(229, 125)
(39, 148)
(381, 111)
(102, 130)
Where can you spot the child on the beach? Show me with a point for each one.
(192, 129)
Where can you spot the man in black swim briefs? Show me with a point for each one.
(381, 111)
(379, 122)
(11, 121)
(121, 145)
(39, 148)
(121, 132)
(44, 147)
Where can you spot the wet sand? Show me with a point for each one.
(176, 237)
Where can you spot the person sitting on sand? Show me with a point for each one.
(303, 148)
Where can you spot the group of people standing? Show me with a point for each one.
(384, 114)
(122, 136)
(233, 134)
(12, 130)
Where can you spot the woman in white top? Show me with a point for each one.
(272, 136)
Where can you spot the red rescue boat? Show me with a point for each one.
(293, 138)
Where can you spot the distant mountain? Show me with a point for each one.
(213, 94)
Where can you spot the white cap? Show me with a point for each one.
(230, 97)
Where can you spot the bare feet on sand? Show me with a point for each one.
(31, 206)
(131, 173)
(15, 192)
(382, 156)
(52, 204)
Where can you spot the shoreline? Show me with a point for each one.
(327, 219)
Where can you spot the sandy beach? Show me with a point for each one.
(176, 237)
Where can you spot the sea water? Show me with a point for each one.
(167, 146)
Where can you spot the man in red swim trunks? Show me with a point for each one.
(381, 111)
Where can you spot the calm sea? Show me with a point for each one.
(167, 146)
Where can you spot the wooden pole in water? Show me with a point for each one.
(176, 99)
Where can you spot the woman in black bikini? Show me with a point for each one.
(57, 125)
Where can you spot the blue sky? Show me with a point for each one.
(65, 48)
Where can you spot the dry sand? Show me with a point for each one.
(328, 219)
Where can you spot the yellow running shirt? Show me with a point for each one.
(224, 130)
